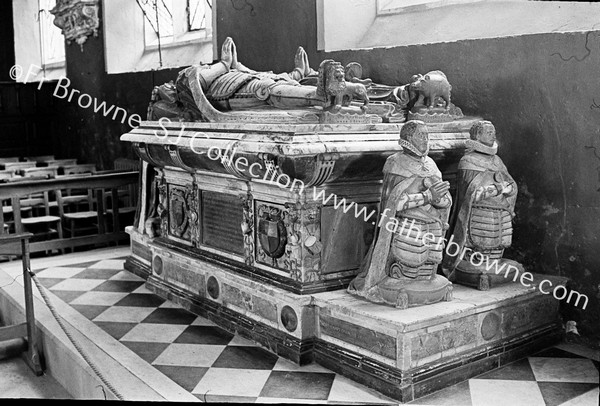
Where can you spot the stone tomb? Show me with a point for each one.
(226, 228)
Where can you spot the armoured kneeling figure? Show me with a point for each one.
(482, 219)
(400, 268)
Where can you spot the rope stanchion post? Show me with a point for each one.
(22, 337)
(33, 357)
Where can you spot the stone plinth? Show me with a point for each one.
(409, 353)
(404, 354)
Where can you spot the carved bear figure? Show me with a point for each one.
(355, 91)
(430, 86)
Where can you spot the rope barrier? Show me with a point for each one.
(75, 343)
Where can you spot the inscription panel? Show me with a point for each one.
(374, 341)
(179, 273)
(222, 216)
(249, 302)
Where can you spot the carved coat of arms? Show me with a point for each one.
(272, 233)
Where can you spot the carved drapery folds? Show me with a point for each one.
(78, 19)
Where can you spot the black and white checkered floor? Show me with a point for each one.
(217, 366)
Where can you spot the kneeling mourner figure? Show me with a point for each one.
(481, 223)
(400, 268)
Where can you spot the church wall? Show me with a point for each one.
(30, 123)
(94, 136)
(542, 93)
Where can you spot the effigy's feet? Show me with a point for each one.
(229, 53)
(301, 62)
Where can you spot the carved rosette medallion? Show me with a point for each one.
(78, 19)
(248, 228)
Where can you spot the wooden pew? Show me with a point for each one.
(113, 181)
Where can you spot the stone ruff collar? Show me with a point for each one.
(473, 145)
(410, 147)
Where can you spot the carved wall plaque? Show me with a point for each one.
(78, 19)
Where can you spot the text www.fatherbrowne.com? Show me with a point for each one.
(274, 176)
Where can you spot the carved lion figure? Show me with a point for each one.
(334, 89)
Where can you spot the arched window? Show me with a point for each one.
(142, 35)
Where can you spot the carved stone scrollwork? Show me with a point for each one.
(303, 252)
(230, 162)
(193, 200)
(78, 19)
(142, 150)
(293, 252)
(248, 228)
(163, 206)
(273, 169)
(176, 157)
(324, 165)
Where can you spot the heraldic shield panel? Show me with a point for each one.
(271, 234)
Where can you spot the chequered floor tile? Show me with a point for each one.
(99, 298)
(232, 382)
(186, 377)
(497, 392)
(190, 355)
(298, 385)
(148, 351)
(204, 335)
(115, 329)
(246, 358)
(170, 316)
(217, 366)
(124, 314)
(118, 286)
(140, 300)
(153, 333)
(564, 370)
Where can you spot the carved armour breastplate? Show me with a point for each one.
(490, 227)
(413, 257)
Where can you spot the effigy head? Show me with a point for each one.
(484, 132)
(415, 132)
